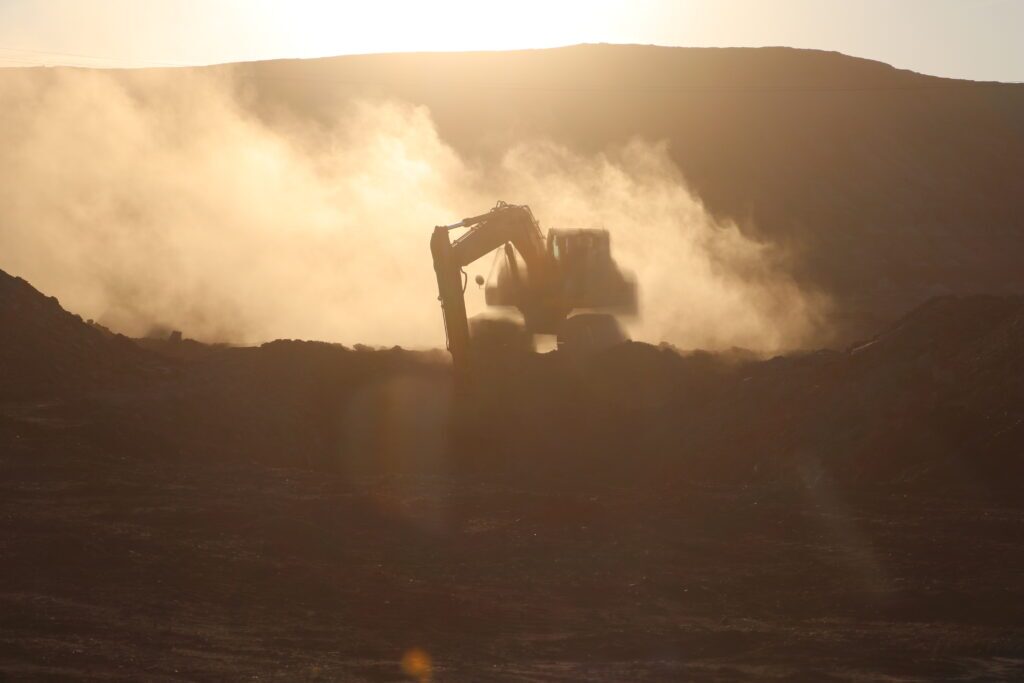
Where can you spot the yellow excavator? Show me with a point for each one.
(561, 272)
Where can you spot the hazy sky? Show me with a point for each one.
(977, 39)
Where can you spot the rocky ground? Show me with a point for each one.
(302, 511)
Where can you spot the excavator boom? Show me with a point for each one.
(450, 288)
(504, 224)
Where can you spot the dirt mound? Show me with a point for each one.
(46, 350)
(943, 327)
(938, 397)
(304, 404)
(934, 402)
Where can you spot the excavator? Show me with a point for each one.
(561, 272)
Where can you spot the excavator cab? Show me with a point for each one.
(590, 277)
(586, 275)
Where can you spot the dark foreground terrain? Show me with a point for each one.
(303, 511)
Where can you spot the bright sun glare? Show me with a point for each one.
(314, 28)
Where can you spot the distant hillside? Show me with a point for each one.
(893, 186)
(889, 186)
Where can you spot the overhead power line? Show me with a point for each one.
(78, 55)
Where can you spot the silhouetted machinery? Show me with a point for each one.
(545, 277)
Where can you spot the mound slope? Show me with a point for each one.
(936, 398)
(44, 350)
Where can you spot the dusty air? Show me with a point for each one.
(663, 340)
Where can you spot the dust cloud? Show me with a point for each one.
(159, 200)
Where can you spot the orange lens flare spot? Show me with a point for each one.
(416, 664)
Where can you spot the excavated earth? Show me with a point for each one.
(305, 511)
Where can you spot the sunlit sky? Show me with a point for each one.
(976, 39)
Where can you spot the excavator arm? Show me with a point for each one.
(503, 225)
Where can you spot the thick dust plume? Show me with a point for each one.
(160, 200)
